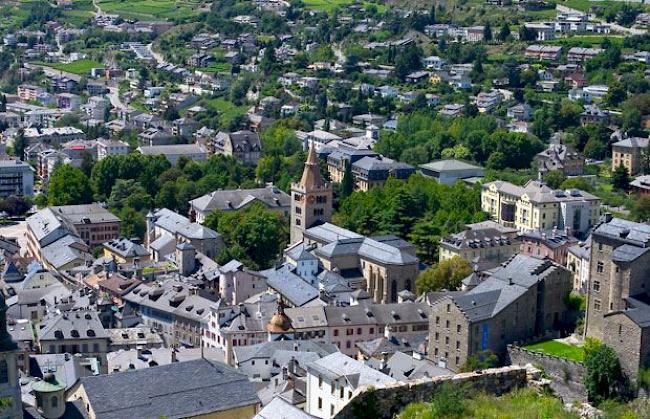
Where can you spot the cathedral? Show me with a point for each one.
(311, 199)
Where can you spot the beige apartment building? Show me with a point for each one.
(484, 241)
(535, 206)
(629, 153)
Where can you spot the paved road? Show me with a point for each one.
(19, 231)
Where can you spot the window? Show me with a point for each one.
(342, 392)
(320, 403)
(596, 286)
(331, 410)
(599, 267)
(372, 330)
(457, 360)
(597, 305)
(457, 328)
(95, 347)
(336, 332)
(437, 336)
(298, 221)
(447, 324)
(348, 344)
(446, 340)
(320, 381)
(457, 344)
(448, 308)
(358, 330)
(4, 372)
(349, 332)
(437, 320)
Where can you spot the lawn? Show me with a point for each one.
(582, 40)
(148, 9)
(585, 5)
(559, 349)
(80, 67)
(329, 5)
(227, 110)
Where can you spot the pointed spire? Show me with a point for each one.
(311, 177)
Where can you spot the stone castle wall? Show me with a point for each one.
(566, 376)
(385, 401)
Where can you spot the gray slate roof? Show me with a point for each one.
(234, 199)
(177, 390)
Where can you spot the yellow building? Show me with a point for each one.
(125, 251)
(629, 153)
(484, 241)
(535, 206)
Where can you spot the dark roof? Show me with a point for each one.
(181, 389)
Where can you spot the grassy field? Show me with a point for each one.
(585, 5)
(329, 5)
(227, 110)
(559, 349)
(151, 9)
(81, 67)
(582, 40)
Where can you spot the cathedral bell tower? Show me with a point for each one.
(311, 199)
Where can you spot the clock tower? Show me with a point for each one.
(311, 199)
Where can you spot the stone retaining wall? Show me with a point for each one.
(566, 376)
(383, 402)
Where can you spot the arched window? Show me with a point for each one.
(4, 372)
(55, 402)
(393, 291)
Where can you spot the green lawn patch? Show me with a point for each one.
(147, 9)
(80, 67)
(559, 349)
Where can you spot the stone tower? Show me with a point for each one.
(311, 199)
(9, 385)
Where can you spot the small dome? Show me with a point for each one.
(280, 322)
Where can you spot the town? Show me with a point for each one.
(342, 209)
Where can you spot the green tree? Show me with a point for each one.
(480, 361)
(604, 377)
(20, 144)
(409, 60)
(130, 194)
(447, 274)
(487, 32)
(504, 31)
(554, 179)
(347, 185)
(620, 178)
(261, 234)
(641, 209)
(68, 186)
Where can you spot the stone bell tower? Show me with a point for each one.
(311, 199)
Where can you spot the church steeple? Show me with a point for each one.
(311, 177)
(311, 199)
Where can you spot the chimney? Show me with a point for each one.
(608, 217)
(510, 281)
(285, 375)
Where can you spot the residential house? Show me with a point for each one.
(535, 206)
(629, 153)
(487, 241)
(561, 158)
(238, 199)
(174, 152)
(244, 146)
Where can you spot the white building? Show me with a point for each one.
(107, 148)
(331, 382)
